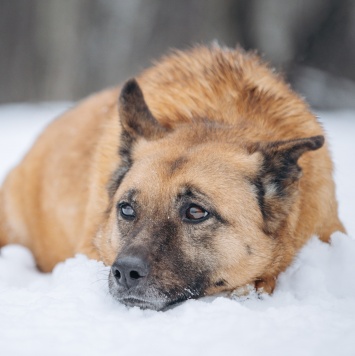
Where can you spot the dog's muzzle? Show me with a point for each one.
(130, 283)
(130, 271)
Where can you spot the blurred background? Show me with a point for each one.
(66, 49)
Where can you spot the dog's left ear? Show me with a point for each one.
(277, 175)
(135, 116)
(281, 157)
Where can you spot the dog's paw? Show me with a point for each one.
(243, 293)
(265, 285)
(256, 290)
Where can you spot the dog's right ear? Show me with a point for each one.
(135, 116)
(137, 122)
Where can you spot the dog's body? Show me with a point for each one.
(186, 192)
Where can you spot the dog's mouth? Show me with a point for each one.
(150, 293)
(148, 298)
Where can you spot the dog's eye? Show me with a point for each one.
(195, 213)
(127, 212)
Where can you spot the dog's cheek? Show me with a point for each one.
(199, 249)
(241, 259)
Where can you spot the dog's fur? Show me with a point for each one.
(215, 128)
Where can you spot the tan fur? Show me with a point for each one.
(56, 203)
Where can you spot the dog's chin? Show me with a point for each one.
(157, 305)
(151, 299)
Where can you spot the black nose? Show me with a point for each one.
(129, 271)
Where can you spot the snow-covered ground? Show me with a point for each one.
(70, 312)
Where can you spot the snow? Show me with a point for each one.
(70, 311)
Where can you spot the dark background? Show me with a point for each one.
(67, 49)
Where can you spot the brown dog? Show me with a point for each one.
(211, 181)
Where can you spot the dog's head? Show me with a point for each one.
(194, 210)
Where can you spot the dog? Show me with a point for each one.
(204, 174)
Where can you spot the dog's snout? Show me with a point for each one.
(129, 271)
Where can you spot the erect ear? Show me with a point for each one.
(137, 122)
(281, 157)
(135, 116)
(278, 173)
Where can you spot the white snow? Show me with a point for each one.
(70, 311)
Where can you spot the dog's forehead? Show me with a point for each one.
(213, 168)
